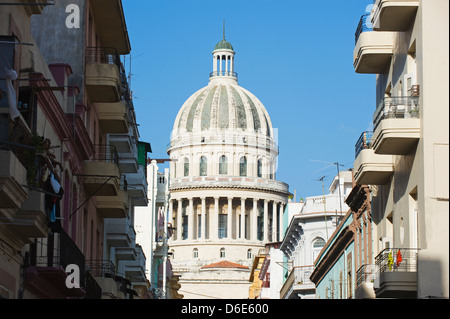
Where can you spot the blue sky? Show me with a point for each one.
(296, 56)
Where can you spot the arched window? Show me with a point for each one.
(318, 244)
(260, 168)
(222, 252)
(203, 166)
(186, 166)
(243, 166)
(223, 165)
(195, 253)
(249, 254)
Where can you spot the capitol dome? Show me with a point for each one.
(223, 105)
(225, 202)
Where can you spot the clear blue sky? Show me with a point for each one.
(296, 56)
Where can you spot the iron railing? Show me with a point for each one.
(58, 250)
(397, 107)
(101, 55)
(397, 259)
(101, 268)
(363, 26)
(363, 142)
(223, 73)
(365, 274)
(105, 153)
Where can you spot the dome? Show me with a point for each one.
(223, 106)
(223, 45)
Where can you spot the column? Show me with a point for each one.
(203, 226)
(215, 219)
(220, 65)
(180, 220)
(215, 65)
(254, 221)
(242, 218)
(170, 217)
(232, 64)
(274, 222)
(280, 226)
(266, 221)
(226, 65)
(191, 219)
(230, 217)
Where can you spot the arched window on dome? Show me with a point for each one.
(260, 165)
(203, 166)
(249, 254)
(222, 252)
(195, 253)
(186, 166)
(243, 166)
(223, 165)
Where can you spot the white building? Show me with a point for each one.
(311, 225)
(225, 203)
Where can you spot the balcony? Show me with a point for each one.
(102, 75)
(119, 233)
(364, 282)
(396, 125)
(137, 187)
(298, 285)
(31, 220)
(397, 273)
(373, 52)
(111, 25)
(373, 169)
(104, 273)
(49, 258)
(113, 117)
(101, 175)
(12, 176)
(113, 206)
(393, 15)
(135, 269)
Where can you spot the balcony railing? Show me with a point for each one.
(365, 274)
(299, 275)
(363, 142)
(105, 153)
(98, 55)
(397, 259)
(101, 268)
(58, 251)
(223, 73)
(398, 107)
(363, 26)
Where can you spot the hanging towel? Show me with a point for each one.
(10, 76)
(390, 260)
(55, 184)
(399, 258)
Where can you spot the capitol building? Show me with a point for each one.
(225, 202)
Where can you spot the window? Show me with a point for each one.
(203, 166)
(186, 167)
(243, 166)
(223, 165)
(249, 254)
(195, 253)
(222, 252)
(223, 225)
(260, 168)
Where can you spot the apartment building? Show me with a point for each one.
(405, 158)
(76, 113)
(309, 229)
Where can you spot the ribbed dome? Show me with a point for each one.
(223, 106)
(223, 45)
